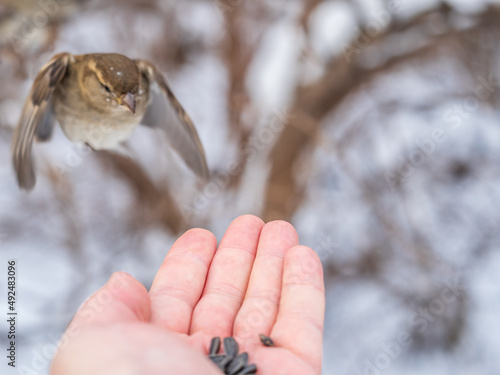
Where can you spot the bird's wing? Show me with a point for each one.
(37, 118)
(165, 112)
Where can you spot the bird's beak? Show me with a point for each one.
(128, 101)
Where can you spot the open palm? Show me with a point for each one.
(258, 280)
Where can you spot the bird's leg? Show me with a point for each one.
(88, 144)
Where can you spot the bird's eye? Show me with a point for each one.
(106, 87)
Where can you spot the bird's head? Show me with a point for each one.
(113, 80)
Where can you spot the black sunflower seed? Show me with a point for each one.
(214, 346)
(250, 369)
(231, 347)
(230, 362)
(237, 364)
(220, 360)
(266, 340)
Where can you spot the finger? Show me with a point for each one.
(299, 325)
(121, 299)
(228, 278)
(260, 307)
(179, 282)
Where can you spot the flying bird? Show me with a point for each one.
(98, 100)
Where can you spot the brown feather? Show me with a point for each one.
(36, 117)
(165, 112)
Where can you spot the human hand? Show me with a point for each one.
(257, 281)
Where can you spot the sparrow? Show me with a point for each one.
(98, 100)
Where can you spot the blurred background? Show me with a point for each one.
(372, 125)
